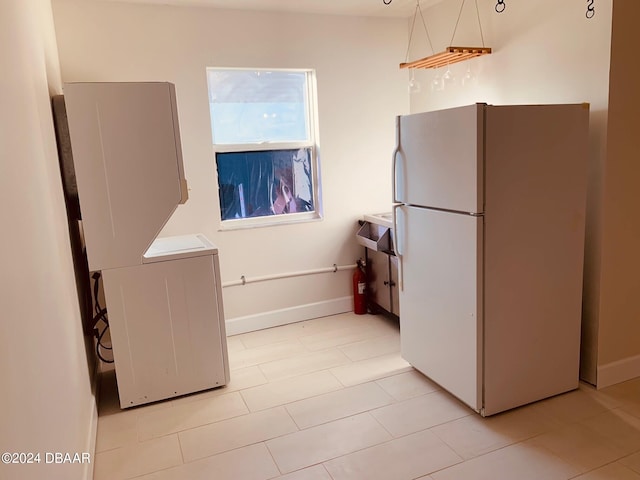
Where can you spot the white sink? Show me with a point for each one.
(382, 219)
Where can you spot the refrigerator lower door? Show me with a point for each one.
(441, 299)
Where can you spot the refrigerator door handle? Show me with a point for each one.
(394, 176)
(397, 244)
(394, 163)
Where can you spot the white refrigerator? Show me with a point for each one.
(489, 224)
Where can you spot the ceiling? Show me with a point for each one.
(376, 8)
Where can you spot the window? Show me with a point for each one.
(263, 125)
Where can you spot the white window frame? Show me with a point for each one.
(312, 143)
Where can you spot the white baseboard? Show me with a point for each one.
(285, 316)
(93, 419)
(618, 371)
(91, 441)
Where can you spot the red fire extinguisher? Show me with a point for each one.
(360, 289)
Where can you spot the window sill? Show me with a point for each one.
(270, 221)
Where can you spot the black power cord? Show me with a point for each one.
(100, 314)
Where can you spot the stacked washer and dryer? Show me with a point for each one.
(163, 295)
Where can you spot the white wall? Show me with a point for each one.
(618, 348)
(544, 51)
(46, 404)
(360, 90)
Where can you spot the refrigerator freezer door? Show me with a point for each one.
(438, 160)
(441, 303)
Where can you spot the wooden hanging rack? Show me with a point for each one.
(450, 56)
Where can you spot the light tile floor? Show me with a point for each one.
(331, 399)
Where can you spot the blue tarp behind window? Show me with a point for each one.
(262, 183)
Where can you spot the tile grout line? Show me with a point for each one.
(161, 469)
(339, 418)
(327, 470)
(273, 458)
(293, 377)
(337, 379)
(291, 417)
(181, 450)
(598, 468)
(297, 339)
(198, 426)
